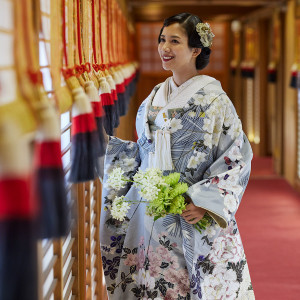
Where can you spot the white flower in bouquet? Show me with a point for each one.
(116, 179)
(119, 208)
(149, 182)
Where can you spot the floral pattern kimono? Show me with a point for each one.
(168, 258)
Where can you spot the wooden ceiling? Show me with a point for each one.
(222, 10)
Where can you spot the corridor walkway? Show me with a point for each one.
(269, 222)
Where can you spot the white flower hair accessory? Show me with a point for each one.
(205, 33)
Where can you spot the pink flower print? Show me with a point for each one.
(163, 252)
(182, 286)
(171, 294)
(154, 264)
(174, 262)
(228, 230)
(154, 271)
(227, 249)
(141, 259)
(171, 275)
(131, 260)
(154, 258)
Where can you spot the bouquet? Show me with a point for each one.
(163, 194)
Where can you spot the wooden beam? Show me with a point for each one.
(156, 13)
(245, 3)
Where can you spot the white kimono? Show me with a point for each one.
(198, 134)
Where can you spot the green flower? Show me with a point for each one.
(177, 205)
(172, 178)
(179, 189)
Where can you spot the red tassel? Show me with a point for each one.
(17, 216)
(85, 143)
(15, 201)
(108, 106)
(49, 180)
(83, 123)
(294, 79)
(48, 154)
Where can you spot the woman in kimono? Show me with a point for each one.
(187, 125)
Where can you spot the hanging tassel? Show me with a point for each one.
(108, 106)
(131, 79)
(248, 69)
(18, 242)
(294, 76)
(126, 75)
(91, 91)
(85, 143)
(233, 66)
(162, 157)
(120, 89)
(49, 179)
(112, 85)
(98, 113)
(272, 72)
(135, 77)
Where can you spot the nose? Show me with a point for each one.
(166, 47)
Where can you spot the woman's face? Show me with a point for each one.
(174, 51)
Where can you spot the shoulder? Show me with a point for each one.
(213, 85)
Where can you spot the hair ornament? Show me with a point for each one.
(205, 33)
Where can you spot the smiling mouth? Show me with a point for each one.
(167, 58)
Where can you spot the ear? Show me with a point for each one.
(196, 51)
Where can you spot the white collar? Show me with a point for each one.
(158, 95)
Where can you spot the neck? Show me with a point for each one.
(181, 77)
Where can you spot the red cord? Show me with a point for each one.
(108, 32)
(94, 31)
(64, 32)
(78, 32)
(100, 29)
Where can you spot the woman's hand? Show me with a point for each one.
(192, 213)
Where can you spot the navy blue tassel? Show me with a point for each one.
(54, 219)
(18, 260)
(85, 155)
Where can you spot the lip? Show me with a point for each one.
(166, 58)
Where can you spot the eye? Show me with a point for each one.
(175, 42)
(162, 40)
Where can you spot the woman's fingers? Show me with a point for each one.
(192, 213)
(194, 221)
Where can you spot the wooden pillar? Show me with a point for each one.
(261, 88)
(290, 99)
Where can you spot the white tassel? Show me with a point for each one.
(162, 156)
(81, 104)
(104, 86)
(49, 125)
(111, 82)
(15, 150)
(91, 91)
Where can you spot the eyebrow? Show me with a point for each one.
(172, 36)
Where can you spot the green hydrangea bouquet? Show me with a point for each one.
(163, 194)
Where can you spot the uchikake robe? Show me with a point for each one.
(168, 258)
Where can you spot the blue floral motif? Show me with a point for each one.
(112, 267)
(117, 241)
(104, 260)
(196, 279)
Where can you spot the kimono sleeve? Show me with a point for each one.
(121, 154)
(225, 180)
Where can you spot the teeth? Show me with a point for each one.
(167, 57)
